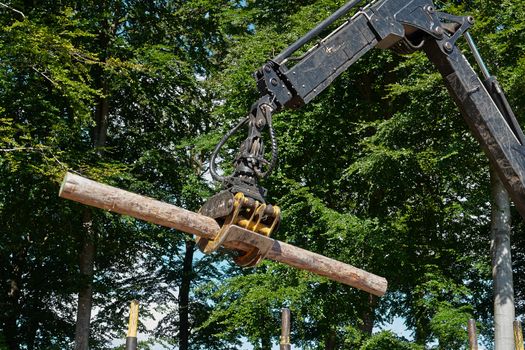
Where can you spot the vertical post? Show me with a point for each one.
(502, 266)
(472, 335)
(131, 339)
(285, 330)
(518, 335)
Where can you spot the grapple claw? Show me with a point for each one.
(245, 216)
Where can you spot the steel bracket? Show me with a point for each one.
(260, 244)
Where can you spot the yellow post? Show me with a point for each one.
(131, 339)
(518, 335)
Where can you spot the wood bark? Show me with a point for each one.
(102, 196)
(85, 295)
(502, 267)
(184, 296)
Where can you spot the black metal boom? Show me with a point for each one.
(404, 26)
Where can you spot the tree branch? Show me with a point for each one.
(45, 76)
(15, 149)
(13, 9)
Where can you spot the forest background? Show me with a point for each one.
(379, 171)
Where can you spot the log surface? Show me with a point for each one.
(86, 191)
(89, 192)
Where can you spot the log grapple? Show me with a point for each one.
(242, 202)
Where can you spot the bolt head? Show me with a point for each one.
(438, 30)
(470, 19)
(267, 69)
(448, 46)
(274, 82)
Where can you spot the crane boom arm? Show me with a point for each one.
(404, 26)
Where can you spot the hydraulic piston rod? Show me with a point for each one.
(343, 10)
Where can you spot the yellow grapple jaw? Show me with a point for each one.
(243, 220)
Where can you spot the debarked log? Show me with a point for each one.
(80, 189)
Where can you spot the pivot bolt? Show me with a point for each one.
(438, 30)
(470, 19)
(267, 69)
(274, 82)
(430, 9)
(448, 46)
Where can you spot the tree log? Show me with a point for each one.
(80, 189)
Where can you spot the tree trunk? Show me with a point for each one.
(10, 326)
(14, 310)
(266, 343)
(31, 339)
(184, 296)
(331, 341)
(502, 267)
(367, 315)
(87, 250)
(85, 294)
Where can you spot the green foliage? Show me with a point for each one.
(59, 69)
(249, 305)
(387, 340)
(379, 171)
(449, 326)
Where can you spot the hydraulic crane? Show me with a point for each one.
(287, 81)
